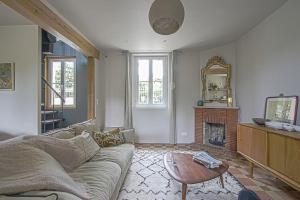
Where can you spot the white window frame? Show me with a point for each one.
(62, 59)
(150, 57)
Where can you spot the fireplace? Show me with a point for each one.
(214, 134)
(216, 127)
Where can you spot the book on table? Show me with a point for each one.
(206, 159)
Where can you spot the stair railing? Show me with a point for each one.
(62, 101)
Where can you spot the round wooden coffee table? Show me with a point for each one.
(183, 169)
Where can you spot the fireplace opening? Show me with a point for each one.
(214, 134)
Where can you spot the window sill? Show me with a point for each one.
(151, 106)
(59, 107)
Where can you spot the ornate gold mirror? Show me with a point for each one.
(216, 79)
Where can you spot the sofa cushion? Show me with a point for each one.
(129, 135)
(89, 126)
(87, 144)
(33, 197)
(25, 168)
(64, 133)
(99, 177)
(70, 153)
(121, 155)
(110, 138)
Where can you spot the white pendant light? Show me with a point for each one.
(166, 16)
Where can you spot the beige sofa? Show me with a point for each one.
(103, 175)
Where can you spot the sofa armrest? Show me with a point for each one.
(129, 135)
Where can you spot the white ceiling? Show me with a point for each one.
(9, 17)
(123, 24)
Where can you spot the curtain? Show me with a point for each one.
(171, 93)
(128, 93)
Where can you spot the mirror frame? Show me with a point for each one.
(217, 61)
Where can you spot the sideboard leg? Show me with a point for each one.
(251, 168)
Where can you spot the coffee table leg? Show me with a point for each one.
(184, 186)
(222, 182)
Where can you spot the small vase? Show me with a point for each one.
(200, 103)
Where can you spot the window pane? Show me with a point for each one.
(56, 82)
(69, 83)
(69, 72)
(158, 92)
(56, 72)
(143, 92)
(143, 81)
(157, 70)
(54, 97)
(69, 94)
(143, 70)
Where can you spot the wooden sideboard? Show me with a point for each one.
(274, 150)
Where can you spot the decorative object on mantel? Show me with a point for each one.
(282, 109)
(200, 103)
(166, 16)
(216, 82)
(7, 76)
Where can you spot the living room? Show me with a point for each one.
(162, 87)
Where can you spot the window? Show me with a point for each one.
(62, 77)
(151, 80)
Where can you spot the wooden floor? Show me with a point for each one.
(265, 185)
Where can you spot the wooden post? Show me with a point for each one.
(91, 87)
(251, 168)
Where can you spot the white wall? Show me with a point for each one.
(115, 69)
(100, 91)
(188, 85)
(19, 109)
(187, 92)
(268, 60)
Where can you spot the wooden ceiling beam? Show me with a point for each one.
(39, 13)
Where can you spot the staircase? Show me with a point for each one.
(51, 118)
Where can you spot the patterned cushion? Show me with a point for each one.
(89, 126)
(108, 139)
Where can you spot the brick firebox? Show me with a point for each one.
(227, 116)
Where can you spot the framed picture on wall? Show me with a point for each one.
(282, 109)
(7, 76)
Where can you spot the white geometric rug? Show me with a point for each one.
(148, 179)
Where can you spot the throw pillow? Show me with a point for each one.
(89, 126)
(26, 168)
(65, 133)
(70, 153)
(87, 144)
(108, 139)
